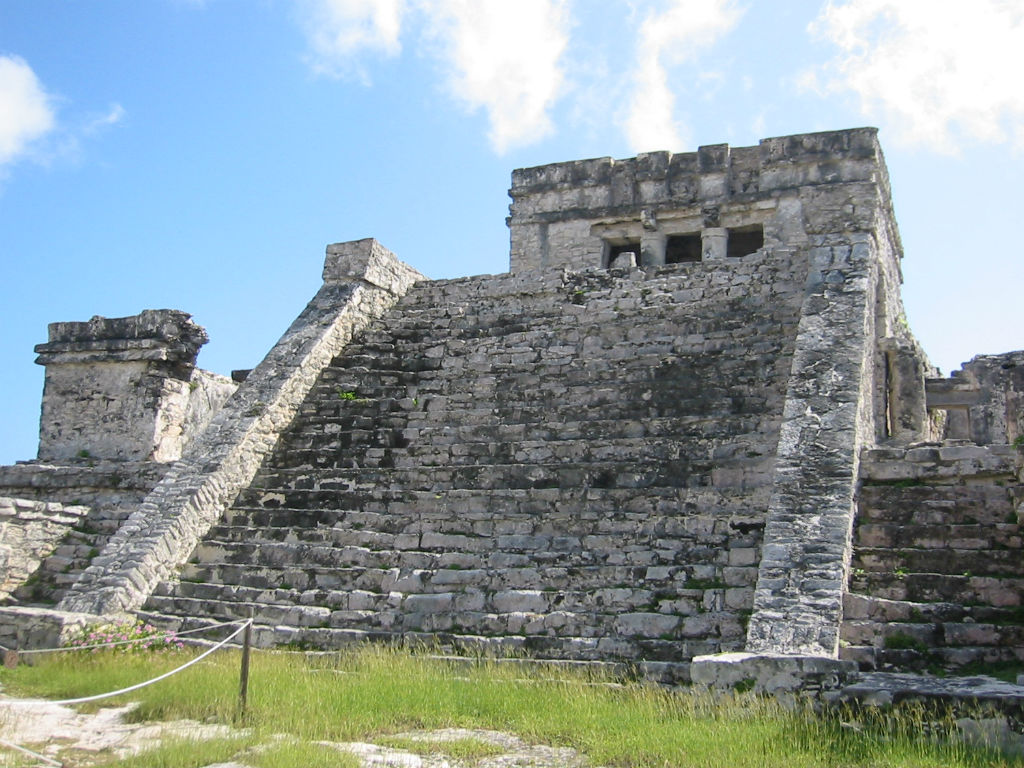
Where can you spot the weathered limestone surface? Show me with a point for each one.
(985, 711)
(125, 388)
(157, 538)
(33, 627)
(798, 601)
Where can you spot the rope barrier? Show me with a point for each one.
(164, 676)
(30, 753)
(137, 640)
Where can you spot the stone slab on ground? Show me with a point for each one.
(772, 673)
(986, 710)
(884, 688)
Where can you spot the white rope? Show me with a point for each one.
(44, 758)
(136, 641)
(164, 676)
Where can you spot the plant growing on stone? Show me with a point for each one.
(127, 636)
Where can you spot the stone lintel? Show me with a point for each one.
(950, 393)
(773, 673)
(370, 261)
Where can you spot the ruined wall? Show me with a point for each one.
(982, 402)
(29, 532)
(107, 490)
(125, 388)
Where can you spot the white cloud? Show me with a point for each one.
(341, 32)
(25, 110)
(112, 116)
(504, 57)
(666, 39)
(934, 71)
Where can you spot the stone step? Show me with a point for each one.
(544, 336)
(895, 635)
(744, 415)
(925, 503)
(930, 660)
(938, 536)
(524, 381)
(623, 636)
(473, 534)
(347, 449)
(1005, 563)
(972, 589)
(648, 334)
(324, 488)
(431, 550)
(532, 651)
(648, 474)
(525, 313)
(486, 428)
(656, 387)
(506, 591)
(708, 582)
(881, 610)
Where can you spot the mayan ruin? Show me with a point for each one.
(689, 423)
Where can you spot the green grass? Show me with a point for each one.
(373, 693)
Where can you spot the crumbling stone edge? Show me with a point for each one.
(362, 280)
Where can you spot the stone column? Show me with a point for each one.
(118, 388)
(652, 249)
(907, 413)
(714, 241)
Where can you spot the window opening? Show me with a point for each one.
(743, 241)
(615, 251)
(683, 248)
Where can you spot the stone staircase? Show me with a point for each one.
(574, 467)
(937, 576)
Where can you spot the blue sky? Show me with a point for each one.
(199, 154)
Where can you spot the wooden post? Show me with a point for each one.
(243, 684)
